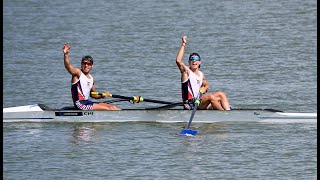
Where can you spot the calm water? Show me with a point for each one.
(261, 53)
(154, 151)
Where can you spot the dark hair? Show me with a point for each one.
(87, 58)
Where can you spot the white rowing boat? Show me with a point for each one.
(42, 113)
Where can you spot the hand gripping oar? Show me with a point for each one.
(135, 99)
(187, 131)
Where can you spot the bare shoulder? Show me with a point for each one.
(77, 72)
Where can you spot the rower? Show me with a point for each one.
(82, 84)
(194, 82)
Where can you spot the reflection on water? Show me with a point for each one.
(84, 133)
(216, 130)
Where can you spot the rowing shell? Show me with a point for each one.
(42, 113)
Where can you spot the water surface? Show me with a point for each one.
(262, 54)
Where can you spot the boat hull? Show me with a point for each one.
(34, 114)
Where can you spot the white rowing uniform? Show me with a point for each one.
(191, 87)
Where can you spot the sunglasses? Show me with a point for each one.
(87, 63)
(194, 58)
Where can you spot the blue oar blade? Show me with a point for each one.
(188, 132)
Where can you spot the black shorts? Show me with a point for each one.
(84, 105)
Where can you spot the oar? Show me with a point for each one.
(135, 99)
(187, 131)
(166, 106)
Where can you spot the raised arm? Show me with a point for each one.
(72, 70)
(182, 67)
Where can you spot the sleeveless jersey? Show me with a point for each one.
(191, 87)
(80, 90)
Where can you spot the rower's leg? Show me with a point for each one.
(223, 100)
(104, 106)
(216, 105)
(210, 100)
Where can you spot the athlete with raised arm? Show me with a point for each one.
(193, 82)
(82, 84)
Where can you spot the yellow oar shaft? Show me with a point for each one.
(136, 99)
(102, 94)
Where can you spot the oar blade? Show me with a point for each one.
(188, 132)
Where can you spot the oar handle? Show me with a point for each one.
(97, 93)
(136, 99)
